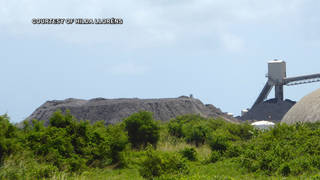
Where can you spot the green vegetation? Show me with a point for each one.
(187, 147)
(142, 129)
(158, 164)
(189, 153)
(8, 140)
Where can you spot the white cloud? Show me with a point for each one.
(127, 68)
(232, 43)
(148, 23)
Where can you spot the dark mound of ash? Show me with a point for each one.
(115, 110)
(269, 110)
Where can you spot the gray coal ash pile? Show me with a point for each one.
(115, 110)
(270, 110)
(306, 110)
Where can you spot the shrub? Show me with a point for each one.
(196, 129)
(193, 128)
(284, 169)
(196, 133)
(219, 140)
(175, 126)
(233, 150)
(9, 143)
(285, 149)
(214, 156)
(142, 129)
(73, 146)
(175, 129)
(243, 131)
(117, 141)
(61, 121)
(24, 166)
(158, 163)
(189, 153)
(215, 124)
(315, 177)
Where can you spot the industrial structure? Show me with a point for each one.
(274, 109)
(277, 78)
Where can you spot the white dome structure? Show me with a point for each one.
(306, 110)
(263, 124)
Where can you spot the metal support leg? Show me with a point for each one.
(279, 92)
(264, 93)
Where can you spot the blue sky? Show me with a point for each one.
(216, 50)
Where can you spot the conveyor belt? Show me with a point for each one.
(264, 93)
(301, 79)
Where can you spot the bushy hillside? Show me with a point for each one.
(187, 147)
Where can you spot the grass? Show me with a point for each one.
(107, 173)
(222, 170)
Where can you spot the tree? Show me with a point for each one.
(142, 129)
(74, 145)
(196, 133)
(8, 138)
(61, 121)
